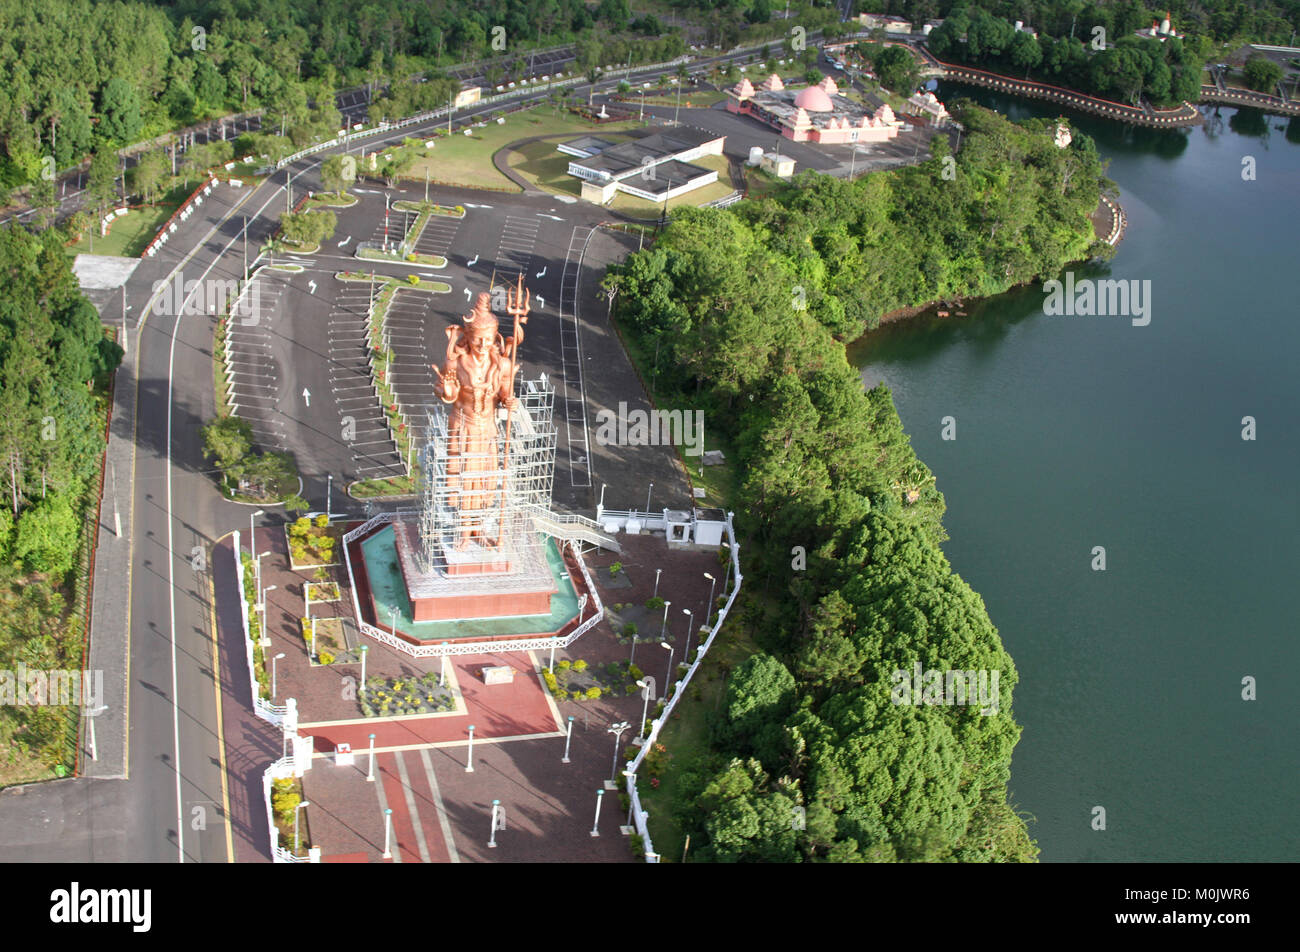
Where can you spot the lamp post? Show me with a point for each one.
(668, 680)
(690, 623)
(595, 825)
(388, 833)
(551, 666)
(657, 572)
(647, 503)
(252, 539)
(647, 686)
(664, 627)
(266, 593)
(568, 736)
(498, 822)
(392, 620)
(726, 577)
(365, 650)
(617, 730)
(370, 772)
(273, 672)
(329, 488)
(297, 810)
(469, 759)
(442, 675)
(257, 571)
(313, 636)
(708, 613)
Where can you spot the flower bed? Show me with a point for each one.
(394, 697)
(578, 681)
(311, 543)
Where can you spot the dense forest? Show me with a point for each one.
(750, 306)
(1165, 72)
(1224, 21)
(52, 352)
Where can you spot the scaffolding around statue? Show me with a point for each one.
(476, 549)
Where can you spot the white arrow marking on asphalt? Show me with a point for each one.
(367, 191)
(345, 241)
(541, 273)
(473, 261)
(471, 205)
(541, 302)
(312, 285)
(467, 294)
(306, 395)
(553, 217)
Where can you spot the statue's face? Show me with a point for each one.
(480, 341)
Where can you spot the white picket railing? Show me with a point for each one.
(640, 816)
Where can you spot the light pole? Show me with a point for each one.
(370, 772)
(329, 490)
(664, 627)
(726, 578)
(647, 510)
(296, 811)
(266, 593)
(647, 686)
(690, 623)
(442, 675)
(568, 736)
(365, 650)
(656, 593)
(252, 539)
(257, 572)
(469, 759)
(392, 620)
(668, 680)
(496, 823)
(708, 609)
(595, 825)
(388, 833)
(273, 671)
(313, 636)
(551, 666)
(617, 730)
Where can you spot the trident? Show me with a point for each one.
(517, 300)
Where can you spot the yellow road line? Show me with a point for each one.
(216, 684)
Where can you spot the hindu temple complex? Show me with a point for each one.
(816, 114)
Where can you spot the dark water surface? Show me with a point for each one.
(1076, 432)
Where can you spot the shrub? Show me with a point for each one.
(635, 673)
(322, 521)
(654, 603)
(629, 630)
(579, 665)
(412, 279)
(576, 695)
(593, 693)
(326, 658)
(563, 666)
(615, 569)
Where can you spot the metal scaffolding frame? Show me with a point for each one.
(529, 472)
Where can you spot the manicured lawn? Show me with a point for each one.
(466, 160)
(129, 234)
(692, 98)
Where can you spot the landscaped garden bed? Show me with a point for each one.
(394, 697)
(312, 543)
(579, 681)
(331, 642)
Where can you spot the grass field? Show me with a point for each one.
(466, 160)
(128, 235)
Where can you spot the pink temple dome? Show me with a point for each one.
(829, 86)
(744, 89)
(814, 99)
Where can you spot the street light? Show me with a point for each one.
(296, 811)
(370, 773)
(647, 686)
(617, 730)
(365, 650)
(690, 622)
(252, 539)
(595, 824)
(663, 627)
(657, 571)
(668, 680)
(273, 667)
(708, 614)
(647, 503)
(442, 675)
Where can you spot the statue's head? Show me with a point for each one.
(481, 325)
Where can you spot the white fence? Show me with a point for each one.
(640, 816)
(282, 716)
